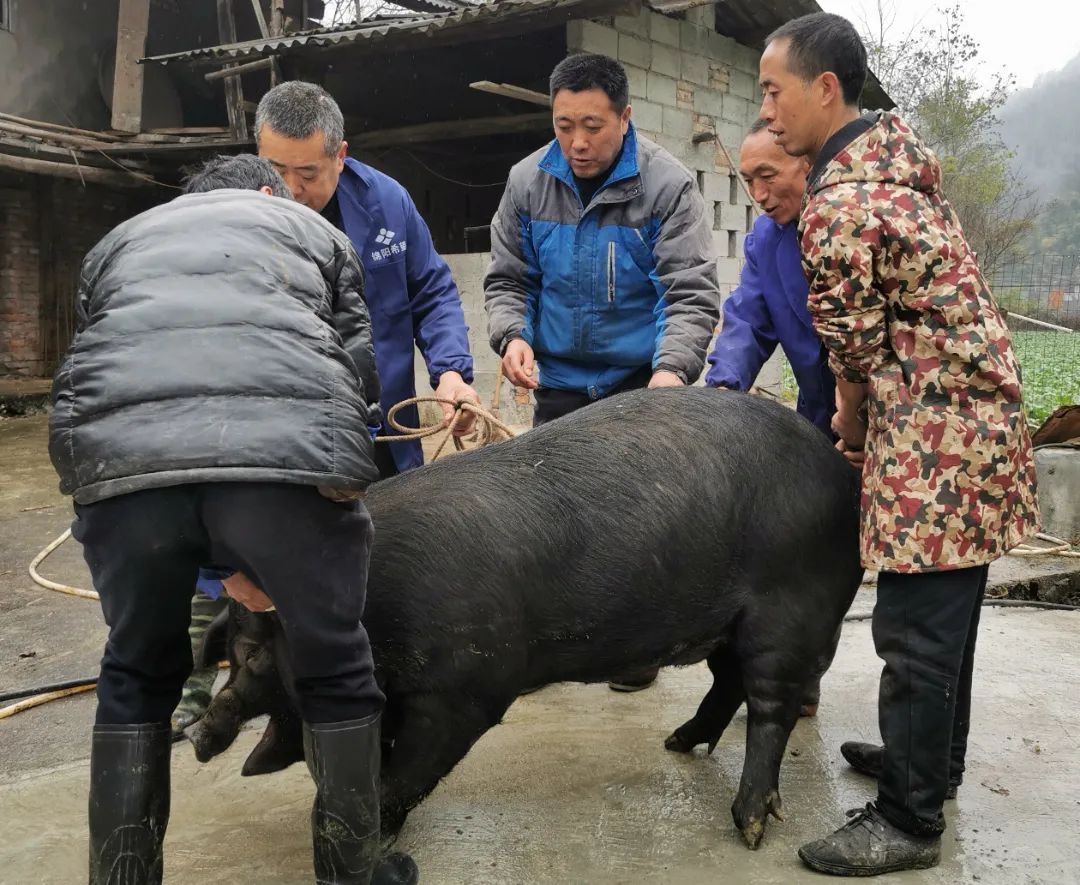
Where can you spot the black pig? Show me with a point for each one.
(654, 528)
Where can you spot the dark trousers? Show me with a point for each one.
(552, 403)
(925, 627)
(308, 554)
(384, 460)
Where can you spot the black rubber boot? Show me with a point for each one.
(866, 759)
(344, 758)
(129, 803)
(869, 845)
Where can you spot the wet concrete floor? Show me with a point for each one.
(574, 787)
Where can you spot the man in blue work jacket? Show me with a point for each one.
(769, 306)
(409, 289)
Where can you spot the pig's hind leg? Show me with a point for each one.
(725, 696)
(774, 677)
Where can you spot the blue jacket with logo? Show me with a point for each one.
(769, 308)
(599, 291)
(409, 290)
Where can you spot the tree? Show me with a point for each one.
(931, 74)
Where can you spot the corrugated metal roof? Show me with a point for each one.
(419, 25)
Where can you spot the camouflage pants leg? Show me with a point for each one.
(196, 695)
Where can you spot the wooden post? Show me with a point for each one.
(277, 18)
(234, 92)
(132, 23)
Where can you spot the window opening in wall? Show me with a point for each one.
(731, 244)
(733, 189)
(749, 218)
(717, 208)
(701, 182)
(5, 15)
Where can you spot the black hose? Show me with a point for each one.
(1000, 603)
(18, 693)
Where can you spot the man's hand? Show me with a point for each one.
(519, 364)
(241, 588)
(664, 378)
(849, 422)
(855, 457)
(453, 387)
(851, 429)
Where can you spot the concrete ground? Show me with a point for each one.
(575, 785)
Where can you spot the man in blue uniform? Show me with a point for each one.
(769, 306)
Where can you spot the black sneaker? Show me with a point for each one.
(866, 759)
(635, 681)
(868, 845)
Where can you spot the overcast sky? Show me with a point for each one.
(1028, 38)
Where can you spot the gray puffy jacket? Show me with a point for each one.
(221, 337)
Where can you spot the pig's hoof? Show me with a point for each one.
(679, 742)
(753, 832)
(281, 745)
(808, 711)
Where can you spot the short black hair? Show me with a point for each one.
(588, 71)
(242, 171)
(756, 127)
(823, 42)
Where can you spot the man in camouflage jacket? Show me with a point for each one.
(928, 393)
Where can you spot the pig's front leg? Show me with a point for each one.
(432, 734)
(714, 714)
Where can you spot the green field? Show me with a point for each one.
(1050, 362)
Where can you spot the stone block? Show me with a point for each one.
(634, 51)
(637, 78)
(744, 85)
(592, 37)
(664, 30)
(660, 89)
(678, 123)
(638, 25)
(709, 101)
(648, 116)
(693, 38)
(695, 68)
(666, 60)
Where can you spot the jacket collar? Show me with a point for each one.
(625, 172)
(353, 186)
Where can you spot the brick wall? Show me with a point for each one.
(47, 226)
(685, 78)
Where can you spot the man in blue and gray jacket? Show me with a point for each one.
(769, 306)
(603, 272)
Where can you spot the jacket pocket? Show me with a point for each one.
(611, 272)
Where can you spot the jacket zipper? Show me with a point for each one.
(611, 272)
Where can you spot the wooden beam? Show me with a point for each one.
(277, 18)
(57, 127)
(234, 93)
(191, 146)
(79, 141)
(451, 130)
(260, 17)
(70, 170)
(132, 24)
(237, 70)
(507, 90)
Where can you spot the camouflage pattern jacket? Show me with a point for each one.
(899, 301)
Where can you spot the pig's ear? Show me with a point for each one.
(281, 745)
(213, 646)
